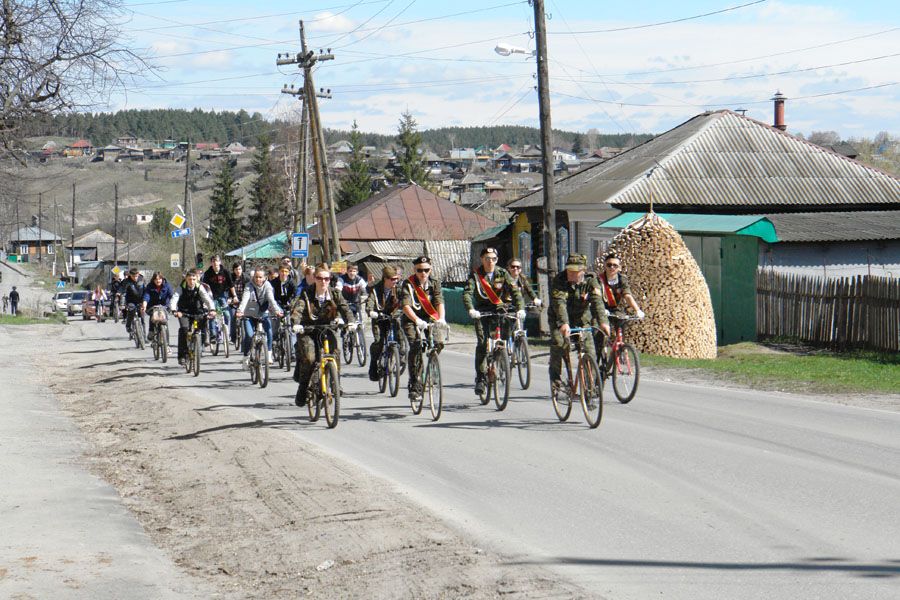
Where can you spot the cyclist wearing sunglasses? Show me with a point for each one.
(384, 301)
(486, 289)
(616, 292)
(514, 266)
(317, 304)
(422, 302)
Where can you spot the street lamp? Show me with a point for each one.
(504, 49)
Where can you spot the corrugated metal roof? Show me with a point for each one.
(754, 225)
(33, 234)
(725, 159)
(837, 226)
(449, 258)
(408, 213)
(273, 246)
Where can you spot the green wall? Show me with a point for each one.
(729, 265)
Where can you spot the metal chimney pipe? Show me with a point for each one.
(779, 99)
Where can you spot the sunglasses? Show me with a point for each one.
(613, 265)
(515, 266)
(394, 278)
(322, 278)
(423, 270)
(491, 258)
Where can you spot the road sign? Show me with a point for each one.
(299, 245)
(339, 267)
(178, 221)
(60, 285)
(116, 270)
(175, 260)
(181, 232)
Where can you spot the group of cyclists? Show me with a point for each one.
(400, 307)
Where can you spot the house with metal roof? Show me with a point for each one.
(400, 223)
(715, 163)
(27, 243)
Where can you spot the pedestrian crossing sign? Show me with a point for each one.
(60, 285)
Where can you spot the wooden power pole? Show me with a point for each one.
(116, 227)
(328, 229)
(40, 228)
(543, 78)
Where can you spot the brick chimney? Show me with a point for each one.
(779, 99)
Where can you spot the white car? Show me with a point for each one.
(61, 301)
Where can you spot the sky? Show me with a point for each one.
(618, 67)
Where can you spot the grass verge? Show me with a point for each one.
(23, 320)
(795, 369)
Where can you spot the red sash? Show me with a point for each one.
(607, 291)
(488, 290)
(423, 298)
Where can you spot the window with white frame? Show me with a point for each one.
(525, 253)
(562, 247)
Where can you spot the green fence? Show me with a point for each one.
(455, 312)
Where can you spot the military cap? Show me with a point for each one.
(422, 259)
(576, 262)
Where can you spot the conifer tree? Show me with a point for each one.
(408, 164)
(357, 185)
(267, 202)
(225, 231)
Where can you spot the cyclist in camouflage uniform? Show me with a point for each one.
(422, 302)
(575, 299)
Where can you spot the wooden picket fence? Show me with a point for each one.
(852, 312)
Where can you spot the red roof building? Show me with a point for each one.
(408, 213)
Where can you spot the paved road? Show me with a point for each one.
(688, 492)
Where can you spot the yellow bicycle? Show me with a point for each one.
(324, 390)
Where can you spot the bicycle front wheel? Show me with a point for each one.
(313, 397)
(501, 378)
(434, 389)
(138, 334)
(286, 353)
(361, 350)
(155, 345)
(163, 340)
(523, 361)
(562, 401)
(332, 399)
(223, 331)
(591, 388)
(626, 373)
(347, 348)
(392, 372)
(197, 349)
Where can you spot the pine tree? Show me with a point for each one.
(267, 200)
(160, 222)
(225, 231)
(408, 164)
(577, 142)
(357, 185)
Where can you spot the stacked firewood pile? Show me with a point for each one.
(668, 285)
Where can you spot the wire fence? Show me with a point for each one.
(861, 312)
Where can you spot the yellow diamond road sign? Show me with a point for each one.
(178, 221)
(116, 270)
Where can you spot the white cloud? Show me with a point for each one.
(327, 22)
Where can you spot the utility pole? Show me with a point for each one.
(56, 247)
(72, 249)
(543, 78)
(116, 228)
(40, 229)
(306, 59)
(302, 194)
(187, 172)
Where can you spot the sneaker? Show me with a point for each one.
(558, 387)
(299, 398)
(269, 357)
(479, 386)
(415, 395)
(181, 362)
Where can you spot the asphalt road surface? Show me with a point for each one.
(688, 492)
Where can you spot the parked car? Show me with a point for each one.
(61, 301)
(76, 302)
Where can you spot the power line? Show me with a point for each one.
(758, 75)
(376, 30)
(357, 28)
(660, 23)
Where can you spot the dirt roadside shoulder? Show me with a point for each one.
(253, 509)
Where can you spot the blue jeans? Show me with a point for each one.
(221, 302)
(250, 329)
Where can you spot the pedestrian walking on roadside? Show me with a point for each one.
(5, 303)
(14, 301)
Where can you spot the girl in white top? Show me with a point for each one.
(258, 302)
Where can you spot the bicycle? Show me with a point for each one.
(620, 361)
(134, 326)
(519, 354)
(218, 332)
(282, 348)
(115, 308)
(194, 343)
(324, 391)
(497, 372)
(354, 343)
(159, 330)
(586, 384)
(258, 360)
(430, 379)
(390, 359)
